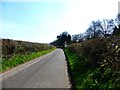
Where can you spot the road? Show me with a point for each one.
(48, 71)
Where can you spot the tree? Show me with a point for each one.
(116, 31)
(62, 39)
(117, 20)
(75, 37)
(108, 26)
(94, 30)
(69, 39)
(99, 28)
(78, 37)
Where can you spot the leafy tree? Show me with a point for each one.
(62, 39)
(69, 39)
(75, 37)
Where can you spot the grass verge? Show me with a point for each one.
(85, 76)
(8, 63)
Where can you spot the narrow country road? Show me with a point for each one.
(48, 71)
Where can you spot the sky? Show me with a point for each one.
(42, 20)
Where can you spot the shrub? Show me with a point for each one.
(101, 53)
(11, 47)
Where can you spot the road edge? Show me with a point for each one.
(68, 71)
(22, 66)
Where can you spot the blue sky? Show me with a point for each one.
(43, 21)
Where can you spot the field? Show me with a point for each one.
(95, 63)
(17, 52)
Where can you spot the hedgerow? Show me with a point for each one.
(102, 54)
(11, 47)
(17, 52)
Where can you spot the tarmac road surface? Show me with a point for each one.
(48, 71)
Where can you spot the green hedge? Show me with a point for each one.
(11, 47)
(16, 52)
(103, 52)
(103, 56)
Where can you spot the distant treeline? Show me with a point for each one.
(11, 47)
(105, 28)
(100, 29)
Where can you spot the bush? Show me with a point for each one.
(100, 52)
(11, 47)
(103, 54)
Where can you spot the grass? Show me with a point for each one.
(85, 76)
(8, 63)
